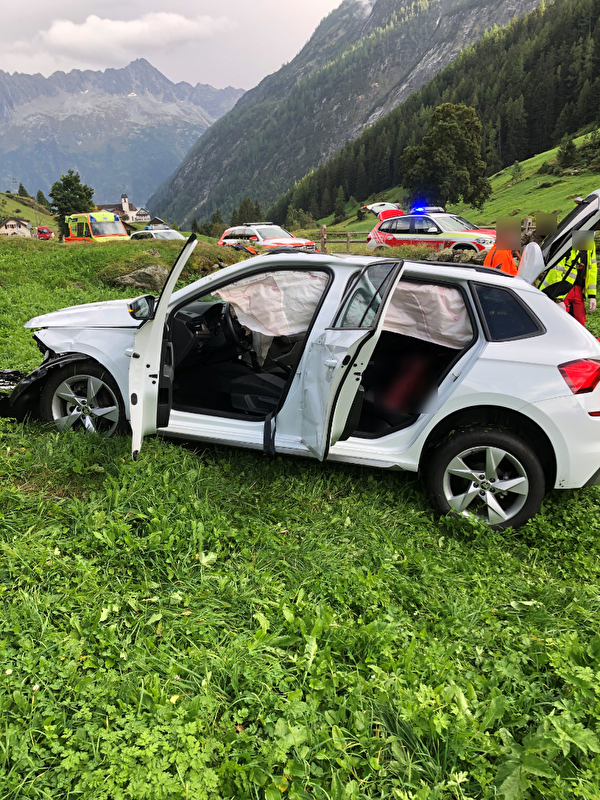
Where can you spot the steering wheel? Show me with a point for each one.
(230, 331)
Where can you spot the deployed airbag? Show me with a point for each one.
(429, 312)
(276, 303)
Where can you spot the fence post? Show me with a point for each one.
(323, 238)
(348, 242)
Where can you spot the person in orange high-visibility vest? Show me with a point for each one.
(502, 260)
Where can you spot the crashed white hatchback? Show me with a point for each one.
(471, 377)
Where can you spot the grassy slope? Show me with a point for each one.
(36, 216)
(207, 623)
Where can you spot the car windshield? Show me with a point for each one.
(168, 235)
(454, 223)
(274, 232)
(113, 228)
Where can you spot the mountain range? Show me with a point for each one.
(122, 129)
(362, 61)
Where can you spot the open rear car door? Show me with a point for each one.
(331, 395)
(151, 368)
(584, 217)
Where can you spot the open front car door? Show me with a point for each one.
(331, 390)
(151, 369)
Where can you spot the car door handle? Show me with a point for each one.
(331, 362)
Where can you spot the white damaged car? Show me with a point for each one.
(473, 378)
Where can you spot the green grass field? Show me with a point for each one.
(208, 623)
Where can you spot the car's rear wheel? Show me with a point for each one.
(84, 396)
(465, 248)
(486, 474)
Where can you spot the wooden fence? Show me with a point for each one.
(343, 238)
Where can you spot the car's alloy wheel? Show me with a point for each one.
(83, 396)
(489, 475)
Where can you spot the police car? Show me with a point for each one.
(433, 228)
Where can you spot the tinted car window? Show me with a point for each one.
(402, 225)
(505, 317)
(422, 224)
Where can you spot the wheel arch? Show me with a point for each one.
(464, 247)
(507, 418)
(25, 397)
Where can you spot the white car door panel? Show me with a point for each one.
(146, 367)
(337, 359)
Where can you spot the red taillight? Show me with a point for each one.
(368, 238)
(582, 376)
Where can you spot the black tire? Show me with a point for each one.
(492, 460)
(83, 396)
(465, 248)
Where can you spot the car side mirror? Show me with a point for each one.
(432, 230)
(142, 308)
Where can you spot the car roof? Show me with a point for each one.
(426, 270)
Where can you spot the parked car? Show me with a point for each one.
(438, 230)
(43, 232)
(473, 378)
(263, 234)
(166, 233)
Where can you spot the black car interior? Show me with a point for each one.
(401, 375)
(216, 368)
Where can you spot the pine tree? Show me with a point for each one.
(361, 188)
(23, 191)
(258, 212)
(235, 218)
(246, 211)
(313, 208)
(567, 152)
(516, 172)
(326, 204)
(339, 208)
(291, 219)
(217, 219)
(42, 199)
(195, 226)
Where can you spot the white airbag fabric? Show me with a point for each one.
(276, 303)
(429, 312)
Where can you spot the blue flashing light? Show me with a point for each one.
(116, 217)
(416, 210)
(92, 219)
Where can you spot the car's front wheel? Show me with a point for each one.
(486, 474)
(83, 395)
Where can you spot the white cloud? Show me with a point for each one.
(112, 42)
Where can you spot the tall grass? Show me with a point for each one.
(208, 623)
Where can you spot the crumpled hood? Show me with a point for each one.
(109, 314)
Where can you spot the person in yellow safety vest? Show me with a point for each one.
(574, 279)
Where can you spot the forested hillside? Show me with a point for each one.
(364, 59)
(530, 83)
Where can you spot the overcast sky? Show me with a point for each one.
(226, 43)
